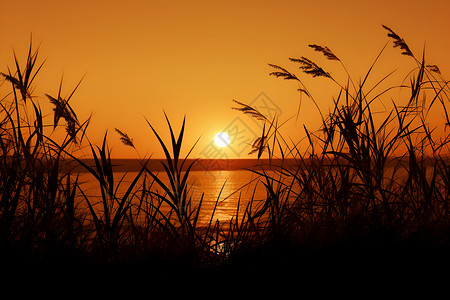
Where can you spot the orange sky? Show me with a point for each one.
(193, 57)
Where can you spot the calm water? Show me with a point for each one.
(230, 188)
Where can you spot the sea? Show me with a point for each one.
(225, 187)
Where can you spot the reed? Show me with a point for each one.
(37, 207)
(364, 177)
(367, 180)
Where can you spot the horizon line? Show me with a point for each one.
(211, 164)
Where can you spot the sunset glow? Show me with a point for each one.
(140, 58)
(200, 140)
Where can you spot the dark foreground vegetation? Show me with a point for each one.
(370, 189)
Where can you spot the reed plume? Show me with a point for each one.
(26, 76)
(125, 139)
(399, 42)
(325, 51)
(247, 109)
(282, 73)
(309, 67)
(434, 68)
(18, 85)
(63, 110)
(259, 145)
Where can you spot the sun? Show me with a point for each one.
(222, 139)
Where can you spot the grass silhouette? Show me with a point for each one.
(370, 188)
